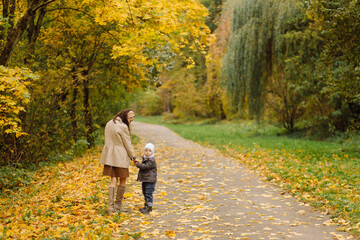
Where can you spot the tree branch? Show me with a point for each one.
(91, 18)
(131, 15)
(43, 4)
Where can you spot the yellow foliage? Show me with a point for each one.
(14, 95)
(154, 24)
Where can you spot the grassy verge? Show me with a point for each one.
(325, 174)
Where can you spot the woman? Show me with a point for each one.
(116, 156)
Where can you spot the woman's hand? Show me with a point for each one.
(135, 161)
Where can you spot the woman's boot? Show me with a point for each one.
(119, 197)
(111, 200)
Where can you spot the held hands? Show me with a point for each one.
(135, 161)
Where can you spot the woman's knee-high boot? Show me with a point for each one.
(119, 198)
(111, 200)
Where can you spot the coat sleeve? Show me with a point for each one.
(147, 165)
(125, 136)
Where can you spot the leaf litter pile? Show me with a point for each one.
(69, 201)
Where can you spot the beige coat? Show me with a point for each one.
(117, 150)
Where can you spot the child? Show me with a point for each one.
(148, 176)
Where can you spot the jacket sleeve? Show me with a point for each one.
(147, 165)
(125, 136)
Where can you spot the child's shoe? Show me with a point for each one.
(146, 209)
(143, 208)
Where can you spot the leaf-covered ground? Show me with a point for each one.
(62, 202)
(328, 183)
(200, 194)
(323, 174)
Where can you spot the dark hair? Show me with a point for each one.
(123, 115)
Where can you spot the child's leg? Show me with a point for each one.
(143, 190)
(149, 190)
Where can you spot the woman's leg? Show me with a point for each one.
(122, 182)
(120, 194)
(113, 181)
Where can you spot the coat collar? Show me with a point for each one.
(118, 119)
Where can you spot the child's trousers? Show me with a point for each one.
(148, 189)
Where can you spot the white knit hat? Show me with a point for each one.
(151, 147)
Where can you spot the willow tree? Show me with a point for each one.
(256, 36)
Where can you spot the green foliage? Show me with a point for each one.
(350, 141)
(257, 28)
(108, 97)
(135, 139)
(149, 119)
(338, 21)
(183, 90)
(338, 24)
(191, 93)
(284, 59)
(293, 83)
(13, 178)
(148, 103)
(46, 123)
(214, 8)
(79, 147)
(189, 100)
(218, 103)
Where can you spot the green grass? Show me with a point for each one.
(323, 173)
(250, 135)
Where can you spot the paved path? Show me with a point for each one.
(201, 194)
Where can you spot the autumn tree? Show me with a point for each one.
(79, 39)
(338, 23)
(14, 31)
(217, 98)
(90, 56)
(257, 27)
(215, 9)
(203, 98)
(14, 97)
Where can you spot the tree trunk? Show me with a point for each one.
(72, 111)
(5, 9)
(89, 128)
(17, 31)
(33, 33)
(8, 11)
(14, 36)
(222, 111)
